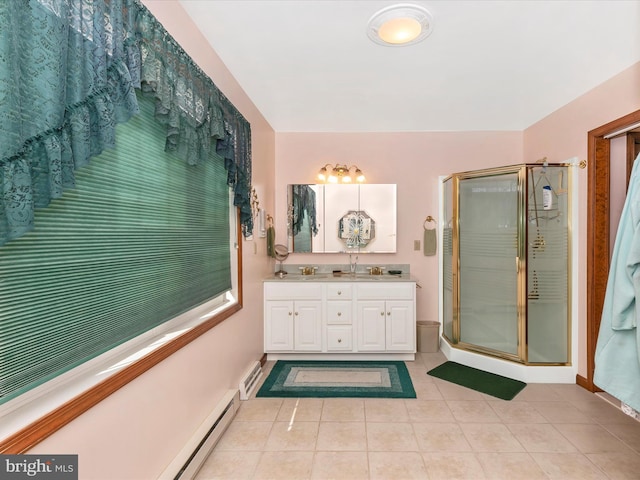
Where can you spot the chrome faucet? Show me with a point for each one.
(353, 263)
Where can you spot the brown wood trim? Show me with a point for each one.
(31, 435)
(263, 360)
(633, 147)
(597, 240)
(618, 124)
(240, 277)
(582, 382)
(598, 227)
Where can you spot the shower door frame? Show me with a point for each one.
(521, 263)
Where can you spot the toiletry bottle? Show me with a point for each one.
(547, 200)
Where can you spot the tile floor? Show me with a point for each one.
(549, 431)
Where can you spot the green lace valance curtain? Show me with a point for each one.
(195, 111)
(68, 70)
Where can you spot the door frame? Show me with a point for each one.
(598, 228)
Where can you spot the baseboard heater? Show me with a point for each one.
(250, 380)
(191, 458)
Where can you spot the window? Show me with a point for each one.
(123, 255)
(143, 238)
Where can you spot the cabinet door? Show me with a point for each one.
(307, 325)
(278, 327)
(401, 326)
(371, 326)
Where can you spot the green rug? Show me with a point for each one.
(479, 380)
(303, 378)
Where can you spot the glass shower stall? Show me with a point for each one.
(506, 240)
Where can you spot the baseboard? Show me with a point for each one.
(187, 463)
(587, 385)
(584, 383)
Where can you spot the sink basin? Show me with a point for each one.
(367, 276)
(317, 276)
(381, 278)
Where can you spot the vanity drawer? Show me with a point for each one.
(339, 312)
(339, 291)
(340, 338)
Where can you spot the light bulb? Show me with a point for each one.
(400, 30)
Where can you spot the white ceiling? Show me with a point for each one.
(488, 65)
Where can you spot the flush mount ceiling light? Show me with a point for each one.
(400, 25)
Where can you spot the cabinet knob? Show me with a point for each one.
(339, 292)
(339, 340)
(290, 313)
(339, 314)
(388, 314)
(382, 313)
(296, 313)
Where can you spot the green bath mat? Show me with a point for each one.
(479, 380)
(304, 378)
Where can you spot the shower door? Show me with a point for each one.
(489, 262)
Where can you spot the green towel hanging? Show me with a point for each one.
(430, 240)
(271, 240)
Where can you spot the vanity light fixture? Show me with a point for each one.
(340, 173)
(400, 25)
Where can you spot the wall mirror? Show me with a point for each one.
(328, 218)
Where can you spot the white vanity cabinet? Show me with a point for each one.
(386, 320)
(314, 319)
(293, 317)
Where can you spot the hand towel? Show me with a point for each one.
(271, 240)
(430, 241)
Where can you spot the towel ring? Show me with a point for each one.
(429, 219)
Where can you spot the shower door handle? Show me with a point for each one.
(517, 264)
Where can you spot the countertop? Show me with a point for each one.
(345, 277)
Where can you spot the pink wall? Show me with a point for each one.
(139, 429)
(563, 135)
(413, 161)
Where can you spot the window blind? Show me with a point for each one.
(142, 238)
